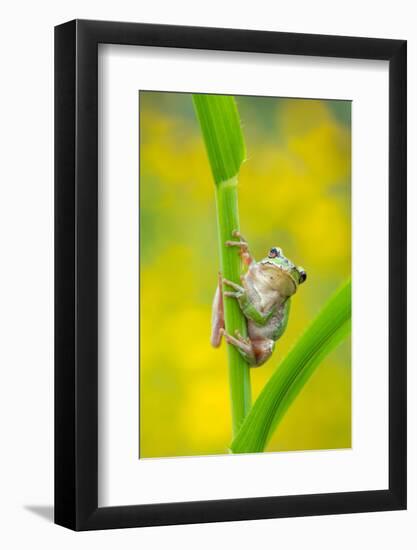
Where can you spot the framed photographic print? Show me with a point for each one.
(230, 253)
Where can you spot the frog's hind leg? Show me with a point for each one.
(217, 317)
(263, 349)
(255, 352)
(243, 346)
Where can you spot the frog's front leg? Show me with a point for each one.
(238, 289)
(255, 352)
(248, 308)
(243, 245)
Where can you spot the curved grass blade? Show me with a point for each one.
(328, 329)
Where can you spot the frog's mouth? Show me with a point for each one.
(280, 278)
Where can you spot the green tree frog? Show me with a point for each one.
(264, 298)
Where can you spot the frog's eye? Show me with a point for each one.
(274, 252)
(303, 275)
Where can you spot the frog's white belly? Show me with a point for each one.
(264, 300)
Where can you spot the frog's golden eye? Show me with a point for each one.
(274, 252)
(303, 275)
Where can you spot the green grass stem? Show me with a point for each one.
(220, 124)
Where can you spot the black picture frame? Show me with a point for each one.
(76, 273)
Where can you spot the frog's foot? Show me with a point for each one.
(238, 235)
(255, 352)
(243, 346)
(239, 290)
(243, 245)
(242, 338)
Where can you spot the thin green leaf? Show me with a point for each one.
(327, 330)
(220, 125)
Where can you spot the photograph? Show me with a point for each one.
(208, 335)
(244, 276)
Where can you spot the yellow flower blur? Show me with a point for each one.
(294, 192)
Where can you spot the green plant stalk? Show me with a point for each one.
(225, 145)
(230, 265)
(327, 330)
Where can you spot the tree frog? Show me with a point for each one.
(264, 298)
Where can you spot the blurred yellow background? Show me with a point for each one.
(294, 192)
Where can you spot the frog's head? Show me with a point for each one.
(283, 275)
